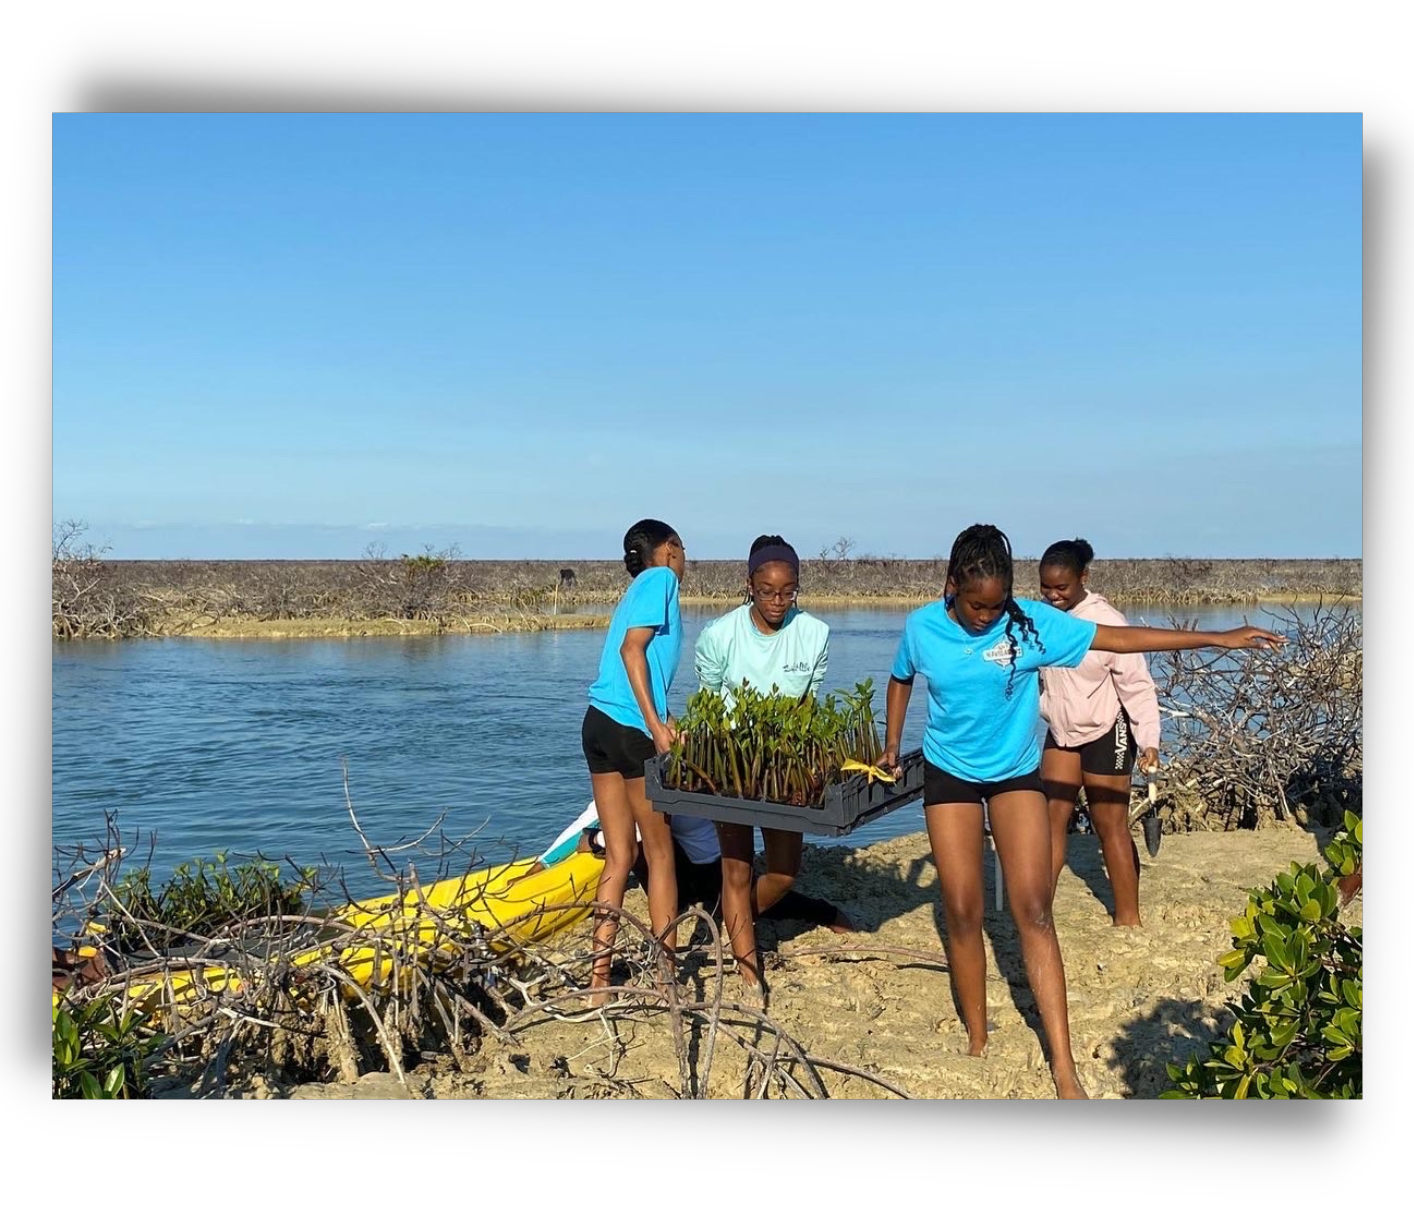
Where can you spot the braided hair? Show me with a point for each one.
(643, 538)
(983, 553)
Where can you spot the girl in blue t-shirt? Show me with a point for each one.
(626, 724)
(980, 650)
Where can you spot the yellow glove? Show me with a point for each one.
(873, 771)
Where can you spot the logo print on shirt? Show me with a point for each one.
(1002, 653)
(790, 668)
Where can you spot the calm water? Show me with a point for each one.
(238, 745)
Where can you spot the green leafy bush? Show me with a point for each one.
(1343, 852)
(99, 1051)
(202, 896)
(1298, 1027)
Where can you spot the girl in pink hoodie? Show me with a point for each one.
(1099, 714)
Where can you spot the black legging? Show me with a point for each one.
(701, 884)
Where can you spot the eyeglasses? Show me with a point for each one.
(770, 595)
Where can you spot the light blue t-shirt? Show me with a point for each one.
(732, 648)
(651, 601)
(975, 731)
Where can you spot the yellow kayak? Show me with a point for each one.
(514, 904)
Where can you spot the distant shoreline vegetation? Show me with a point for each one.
(437, 592)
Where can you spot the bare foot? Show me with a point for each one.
(1128, 922)
(753, 995)
(596, 997)
(975, 1046)
(842, 923)
(1068, 1087)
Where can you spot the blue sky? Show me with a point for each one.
(295, 335)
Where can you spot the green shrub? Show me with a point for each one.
(100, 1052)
(1344, 850)
(201, 897)
(1298, 1027)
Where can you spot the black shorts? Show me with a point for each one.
(1111, 755)
(610, 747)
(940, 786)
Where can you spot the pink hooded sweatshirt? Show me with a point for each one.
(1080, 704)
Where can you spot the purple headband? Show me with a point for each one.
(773, 554)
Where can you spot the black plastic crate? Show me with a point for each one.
(855, 801)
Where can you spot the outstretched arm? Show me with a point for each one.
(895, 707)
(1111, 638)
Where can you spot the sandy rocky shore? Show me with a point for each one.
(1138, 997)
